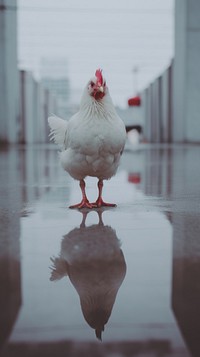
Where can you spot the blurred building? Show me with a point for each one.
(171, 102)
(9, 80)
(54, 77)
(186, 80)
(36, 104)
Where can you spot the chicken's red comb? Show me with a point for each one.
(99, 76)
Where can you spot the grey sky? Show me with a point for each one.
(113, 35)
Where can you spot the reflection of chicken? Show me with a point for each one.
(92, 258)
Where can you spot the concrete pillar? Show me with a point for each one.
(29, 109)
(27, 125)
(42, 114)
(151, 114)
(155, 110)
(147, 114)
(166, 105)
(8, 72)
(186, 104)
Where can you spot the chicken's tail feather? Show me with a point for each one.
(58, 129)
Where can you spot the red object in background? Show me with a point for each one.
(134, 178)
(134, 102)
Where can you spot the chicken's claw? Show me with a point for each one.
(83, 204)
(100, 203)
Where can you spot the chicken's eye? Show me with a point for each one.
(104, 84)
(92, 84)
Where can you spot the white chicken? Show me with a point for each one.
(92, 141)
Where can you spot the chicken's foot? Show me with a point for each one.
(99, 202)
(84, 202)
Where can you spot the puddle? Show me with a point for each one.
(72, 278)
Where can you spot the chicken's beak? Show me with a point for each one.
(101, 89)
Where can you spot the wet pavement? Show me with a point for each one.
(113, 282)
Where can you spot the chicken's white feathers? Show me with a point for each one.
(58, 131)
(93, 139)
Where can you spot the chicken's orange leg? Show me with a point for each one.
(84, 202)
(99, 202)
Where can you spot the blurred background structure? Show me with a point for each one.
(54, 77)
(9, 83)
(172, 103)
(40, 76)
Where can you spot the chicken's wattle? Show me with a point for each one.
(98, 95)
